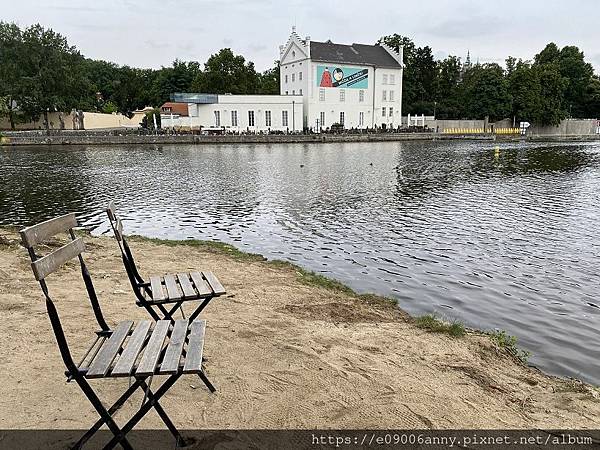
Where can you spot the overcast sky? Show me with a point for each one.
(152, 33)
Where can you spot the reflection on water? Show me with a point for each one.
(499, 240)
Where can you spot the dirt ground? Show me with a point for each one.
(281, 353)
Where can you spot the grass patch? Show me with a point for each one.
(431, 323)
(509, 343)
(208, 246)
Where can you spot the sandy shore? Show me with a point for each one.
(283, 353)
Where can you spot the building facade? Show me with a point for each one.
(356, 86)
(239, 113)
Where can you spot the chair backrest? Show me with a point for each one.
(43, 266)
(137, 282)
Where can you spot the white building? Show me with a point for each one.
(322, 83)
(239, 113)
(356, 85)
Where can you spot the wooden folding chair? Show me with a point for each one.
(174, 289)
(164, 347)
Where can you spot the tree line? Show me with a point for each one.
(556, 84)
(40, 72)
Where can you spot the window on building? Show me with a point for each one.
(342, 95)
(293, 53)
(383, 112)
(321, 95)
(391, 112)
(293, 77)
(217, 118)
(361, 96)
(286, 78)
(384, 95)
(342, 117)
(250, 118)
(322, 121)
(391, 96)
(392, 79)
(300, 91)
(300, 76)
(385, 79)
(293, 91)
(361, 119)
(286, 92)
(284, 118)
(234, 117)
(267, 118)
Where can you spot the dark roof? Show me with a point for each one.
(360, 54)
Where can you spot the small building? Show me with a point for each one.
(356, 85)
(174, 108)
(239, 113)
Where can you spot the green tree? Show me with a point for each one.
(178, 78)
(446, 88)
(485, 92)
(52, 80)
(226, 73)
(592, 104)
(553, 86)
(526, 90)
(11, 69)
(269, 81)
(578, 75)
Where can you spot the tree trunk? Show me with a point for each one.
(46, 122)
(11, 114)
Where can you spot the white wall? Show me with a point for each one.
(371, 107)
(203, 115)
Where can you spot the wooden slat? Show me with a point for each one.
(124, 365)
(157, 290)
(170, 362)
(38, 233)
(148, 362)
(215, 284)
(186, 285)
(193, 357)
(202, 286)
(49, 263)
(119, 230)
(101, 363)
(171, 285)
(111, 211)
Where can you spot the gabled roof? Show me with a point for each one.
(359, 54)
(180, 109)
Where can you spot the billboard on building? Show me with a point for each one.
(342, 77)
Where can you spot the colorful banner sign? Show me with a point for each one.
(342, 77)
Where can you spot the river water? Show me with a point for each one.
(505, 240)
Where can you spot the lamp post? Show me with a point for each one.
(293, 116)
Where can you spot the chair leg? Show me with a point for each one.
(144, 409)
(163, 415)
(112, 410)
(207, 382)
(119, 434)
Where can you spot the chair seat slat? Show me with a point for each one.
(171, 285)
(49, 263)
(186, 285)
(202, 286)
(215, 284)
(193, 357)
(101, 363)
(170, 362)
(157, 290)
(124, 365)
(152, 351)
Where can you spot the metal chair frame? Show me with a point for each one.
(74, 371)
(141, 287)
